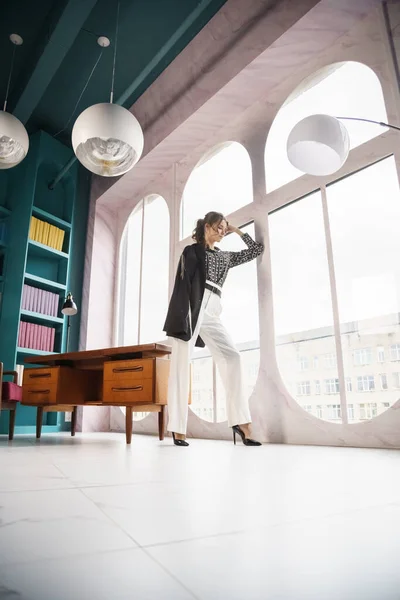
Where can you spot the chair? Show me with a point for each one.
(10, 395)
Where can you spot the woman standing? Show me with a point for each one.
(194, 319)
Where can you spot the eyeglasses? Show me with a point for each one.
(220, 229)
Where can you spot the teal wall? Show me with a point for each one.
(23, 189)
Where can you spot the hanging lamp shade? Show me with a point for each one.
(107, 139)
(318, 145)
(14, 141)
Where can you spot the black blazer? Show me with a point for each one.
(187, 295)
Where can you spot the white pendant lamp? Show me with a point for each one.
(107, 139)
(14, 140)
(318, 145)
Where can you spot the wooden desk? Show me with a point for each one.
(132, 376)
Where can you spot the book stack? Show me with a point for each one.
(36, 337)
(40, 301)
(44, 233)
(3, 232)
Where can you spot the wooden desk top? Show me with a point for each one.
(96, 358)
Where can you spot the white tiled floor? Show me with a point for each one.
(90, 518)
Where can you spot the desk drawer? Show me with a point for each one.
(125, 392)
(123, 370)
(42, 377)
(39, 393)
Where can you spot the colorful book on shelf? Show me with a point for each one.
(36, 337)
(39, 301)
(46, 234)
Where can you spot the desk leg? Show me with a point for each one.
(73, 421)
(11, 426)
(39, 421)
(128, 424)
(161, 423)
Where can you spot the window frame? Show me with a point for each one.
(382, 354)
(122, 264)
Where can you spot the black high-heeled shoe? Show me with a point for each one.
(246, 441)
(179, 442)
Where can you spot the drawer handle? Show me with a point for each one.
(39, 391)
(39, 375)
(137, 388)
(127, 369)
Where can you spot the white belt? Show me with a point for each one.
(214, 285)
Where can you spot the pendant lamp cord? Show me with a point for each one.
(115, 56)
(81, 94)
(9, 77)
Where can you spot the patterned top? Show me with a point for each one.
(218, 262)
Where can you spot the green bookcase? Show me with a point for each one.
(4, 232)
(25, 193)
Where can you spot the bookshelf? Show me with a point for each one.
(4, 231)
(41, 325)
(47, 262)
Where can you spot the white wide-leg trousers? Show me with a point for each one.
(226, 357)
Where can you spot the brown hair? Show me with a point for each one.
(211, 218)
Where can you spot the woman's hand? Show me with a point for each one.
(233, 229)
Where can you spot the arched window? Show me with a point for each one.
(144, 266)
(343, 246)
(221, 181)
(348, 89)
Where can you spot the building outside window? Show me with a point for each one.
(319, 411)
(362, 356)
(350, 412)
(365, 383)
(349, 387)
(381, 354)
(396, 379)
(334, 412)
(317, 387)
(303, 388)
(331, 386)
(384, 382)
(395, 352)
(315, 362)
(368, 411)
(330, 360)
(302, 363)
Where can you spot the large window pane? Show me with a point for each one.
(222, 181)
(343, 89)
(128, 326)
(144, 268)
(364, 214)
(305, 344)
(155, 270)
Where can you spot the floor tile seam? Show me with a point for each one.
(170, 574)
(258, 528)
(109, 518)
(55, 559)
